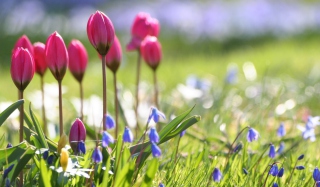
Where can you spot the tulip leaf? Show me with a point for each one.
(125, 176)
(45, 174)
(118, 153)
(106, 174)
(151, 172)
(8, 111)
(28, 120)
(38, 130)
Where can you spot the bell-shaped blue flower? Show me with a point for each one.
(300, 167)
(81, 147)
(96, 155)
(182, 133)
(45, 154)
(281, 148)
(7, 182)
(275, 184)
(316, 174)
(252, 135)
(106, 139)
(281, 130)
(127, 135)
(110, 122)
(301, 157)
(216, 175)
(153, 135)
(318, 184)
(274, 170)
(9, 145)
(156, 151)
(155, 115)
(50, 159)
(7, 171)
(161, 184)
(272, 151)
(245, 171)
(281, 172)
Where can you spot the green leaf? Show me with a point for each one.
(151, 172)
(125, 176)
(45, 174)
(38, 129)
(106, 174)
(8, 111)
(118, 153)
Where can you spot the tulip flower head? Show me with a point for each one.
(77, 134)
(106, 139)
(110, 124)
(155, 115)
(156, 151)
(100, 32)
(113, 58)
(64, 158)
(127, 135)
(153, 135)
(252, 135)
(151, 51)
(78, 59)
(25, 43)
(274, 170)
(40, 58)
(281, 130)
(57, 57)
(22, 68)
(272, 151)
(96, 155)
(216, 175)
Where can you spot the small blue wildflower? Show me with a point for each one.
(109, 122)
(156, 151)
(238, 148)
(50, 159)
(318, 184)
(155, 114)
(300, 167)
(153, 135)
(274, 170)
(127, 135)
(281, 130)
(7, 182)
(252, 135)
(245, 171)
(161, 184)
(182, 133)
(45, 155)
(232, 75)
(316, 174)
(275, 184)
(9, 145)
(281, 148)
(82, 147)
(281, 172)
(301, 157)
(272, 151)
(106, 139)
(216, 175)
(7, 171)
(96, 155)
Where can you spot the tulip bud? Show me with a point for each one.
(113, 58)
(40, 58)
(151, 51)
(64, 157)
(78, 59)
(22, 68)
(100, 32)
(56, 55)
(62, 142)
(24, 42)
(77, 134)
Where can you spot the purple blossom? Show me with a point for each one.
(127, 135)
(155, 115)
(106, 139)
(216, 175)
(156, 151)
(252, 135)
(153, 135)
(96, 155)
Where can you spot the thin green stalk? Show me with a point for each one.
(81, 101)
(294, 167)
(60, 109)
(137, 93)
(116, 103)
(156, 92)
(118, 161)
(104, 92)
(176, 155)
(265, 182)
(21, 131)
(44, 119)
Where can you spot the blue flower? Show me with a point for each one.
(156, 151)
(106, 139)
(7, 171)
(96, 155)
(308, 130)
(9, 145)
(7, 182)
(272, 151)
(50, 159)
(238, 148)
(274, 170)
(81, 147)
(155, 115)
(182, 133)
(281, 172)
(161, 185)
(301, 157)
(153, 135)
(45, 155)
(299, 167)
(109, 122)
(275, 184)
(216, 175)
(232, 75)
(245, 171)
(281, 130)
(127, 135)
(281, 148)
(318, 184)
(252, 135)
(316, 174)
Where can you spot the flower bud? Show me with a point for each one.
(25, 43)
(151, 51)
(113, 58)
(64, 157)
(106, 139)
(100, 32)
(216, 175)
(155, 150)
(78, 59)
(56, 55)
(127, 135)
(62, 142)
(40, 58)
(110, 124)
(81, 147)
(77, 133)
(153, 135)
(96, 155)
(22, 68)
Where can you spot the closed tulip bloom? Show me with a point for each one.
(78, 59)
(56, 55)
(272, 151)
(64, 157)
(96, 155)
(24, 42)
(22, 68)
(77, 134)
(127, 135)
(40, 58)
(155, 150)
(151, 51)
(100, 32)
(113, 58)
(216, 175)
(153, 135)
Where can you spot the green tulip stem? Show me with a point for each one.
(21, 132)
(81, 100)
(104, 91)
(60, 109)
(137, 93)
(116, 103)
(44, 119)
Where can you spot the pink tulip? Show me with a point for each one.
(113, 58)
(100, 32)
(22, 68)
(40, 58)
(77, 133)
(56, 55)
(24, 42)
(78, 59)
(143, 25)
(151, 51)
